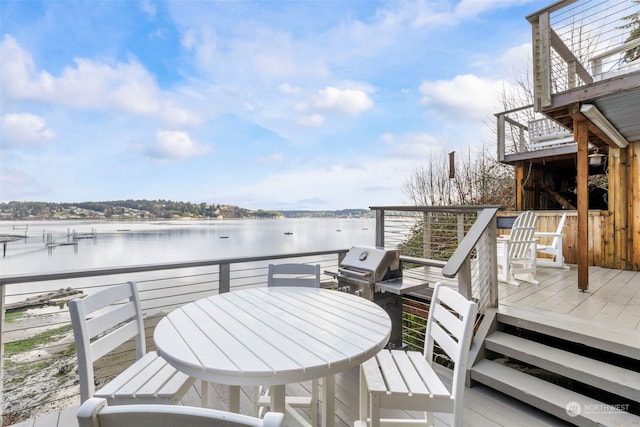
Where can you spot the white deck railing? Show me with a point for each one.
(522, 131)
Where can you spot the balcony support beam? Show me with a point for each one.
(581, 135)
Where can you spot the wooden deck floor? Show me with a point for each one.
(612, 300)
(613, 297)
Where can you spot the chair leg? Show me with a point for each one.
(364, 398)
(314, 402)
(429, 418)
(234, 399)
(256, 397)
(374, 409)
(204, 394)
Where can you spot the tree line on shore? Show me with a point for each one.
(150, 209)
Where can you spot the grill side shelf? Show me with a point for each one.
(401, 285)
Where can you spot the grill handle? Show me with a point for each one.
(354, 273)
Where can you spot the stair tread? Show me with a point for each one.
(613, 378)
(617, 340)
(549, 397)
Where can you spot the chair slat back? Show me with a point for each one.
(559, 230)
(450, 325)
(293, 274)
(112, 315)
(521, 237)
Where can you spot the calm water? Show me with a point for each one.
(135, 243)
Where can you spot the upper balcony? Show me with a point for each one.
(586, 63)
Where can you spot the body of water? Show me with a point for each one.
(118, 243)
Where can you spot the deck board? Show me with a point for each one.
(613, 299)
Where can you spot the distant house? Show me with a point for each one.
(578, 146)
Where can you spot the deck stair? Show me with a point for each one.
(575, 370)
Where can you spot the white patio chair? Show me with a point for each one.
(517, 252)
(406, 380)
(102, 322)
(291, 274)
(554, 248)
(294, 274)
(96, 413)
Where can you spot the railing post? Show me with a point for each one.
(464, 279)
(543, 64)
(501, 131)
(224, 278)
(460, 228)
(492, 238)
(380, 228)
(426, 236)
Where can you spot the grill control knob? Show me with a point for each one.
(346, 288)
(358, 293)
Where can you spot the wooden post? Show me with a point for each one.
(519, 186)
(581, 134)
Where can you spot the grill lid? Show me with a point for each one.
(371, 263)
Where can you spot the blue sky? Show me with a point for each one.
(267, 104)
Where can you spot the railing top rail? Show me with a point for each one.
(74, 274)
(514, 110)
(550, 9)
(452, 208)
(463, 250)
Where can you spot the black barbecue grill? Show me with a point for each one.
(376, 274)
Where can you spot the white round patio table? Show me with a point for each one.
(273, 336)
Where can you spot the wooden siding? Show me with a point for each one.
(633, 232)
(614, 235)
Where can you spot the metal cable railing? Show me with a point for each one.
(40, 361)
(592, 40)
(434, 239)
(39, 370)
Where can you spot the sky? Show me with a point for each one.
(281, 105)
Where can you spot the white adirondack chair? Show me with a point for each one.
(103, 321)
(96, 413)
(554, 248)
(398, 379)
(517, 252)
(291, 274)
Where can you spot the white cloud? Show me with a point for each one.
(17, 185)
(275, 158)
(175, 145)
(203, 44)
(289, 89)
(465, 97)
(412, 145)
(149, 8)
(354, 184)
(313, 120)
(342, 101)
(90, 84)
(25, 128)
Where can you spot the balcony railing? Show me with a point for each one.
(38, 372)
(578, 42)
(524, 134)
